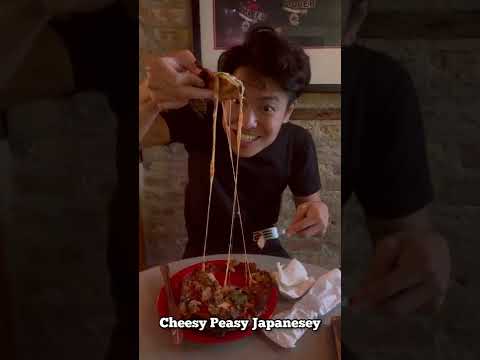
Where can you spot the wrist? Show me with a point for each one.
(312, 202)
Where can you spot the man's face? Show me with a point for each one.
(265, 109)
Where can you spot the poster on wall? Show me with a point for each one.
(309, 23)
(313, 24)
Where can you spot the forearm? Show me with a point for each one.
(159, 134)
(153, 129)
(303, 199)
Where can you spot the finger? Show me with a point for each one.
(182, 61)
(188, 86)
(302, 225)
(311, 231)
(187, 60)
(208, 77)
(161, 71)
(300, 213)
(408, 301)
(172, 105)
(324, 222)
(191, 92)
(187, 78)
(325, 228)
(380, 290)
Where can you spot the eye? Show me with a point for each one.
(269, 109)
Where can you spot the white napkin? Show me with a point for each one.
(323, 297)
(293, 280)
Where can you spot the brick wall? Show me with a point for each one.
(166, 26)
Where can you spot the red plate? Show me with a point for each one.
(237, 278)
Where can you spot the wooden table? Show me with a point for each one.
(155, 343)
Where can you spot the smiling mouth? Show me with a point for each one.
(246, 138)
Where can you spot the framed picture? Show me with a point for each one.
(313, 24)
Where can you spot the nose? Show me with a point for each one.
(249, 119)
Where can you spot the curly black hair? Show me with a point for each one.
(271, 55)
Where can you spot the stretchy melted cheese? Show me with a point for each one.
(226, 88)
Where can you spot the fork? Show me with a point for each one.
(268, 234)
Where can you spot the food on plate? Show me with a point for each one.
(203, 296)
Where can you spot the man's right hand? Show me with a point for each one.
(174, 80)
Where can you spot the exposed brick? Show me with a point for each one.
(171, 17)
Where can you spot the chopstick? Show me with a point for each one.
(336, 330)
(177, 334)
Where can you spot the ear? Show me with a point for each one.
(289, 111)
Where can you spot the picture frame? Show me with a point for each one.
(210, 36)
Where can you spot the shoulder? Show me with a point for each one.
(299, 139)
(295, 132)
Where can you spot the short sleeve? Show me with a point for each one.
(188, 126)
(304, 178)
(393, 178)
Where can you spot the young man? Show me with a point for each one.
(273, 153)
(384, 164)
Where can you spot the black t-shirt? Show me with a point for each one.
(383, 144)
(289, 161)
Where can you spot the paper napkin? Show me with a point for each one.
(293, 280)
(323, 297)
